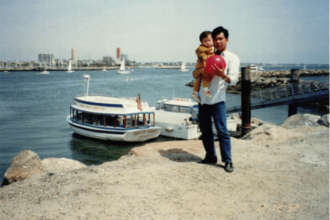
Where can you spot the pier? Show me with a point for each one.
(289, 94)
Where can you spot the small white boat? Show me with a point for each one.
(104, 69)
(110, 118)
(178, 118)
(183, 67)
(253, 68)
(70, 68)
(44, 72)
(122, 68)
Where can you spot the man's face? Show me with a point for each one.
(220, 42)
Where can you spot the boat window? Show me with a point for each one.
(100, 120)
(129, 121)
(88, 118)
(79, 116)
(184, 109)
(171, 108)
(150, 119)
(110, 120)
(119, 121)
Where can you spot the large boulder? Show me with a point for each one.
(56, 165)
(299, 120)
(324, 120)
(268, 133)
(24, 165)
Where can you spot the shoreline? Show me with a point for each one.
(278, 175)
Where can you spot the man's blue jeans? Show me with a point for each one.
(218, 113)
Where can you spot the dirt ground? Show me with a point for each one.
(279, 174)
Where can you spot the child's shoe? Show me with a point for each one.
(207, 93)
(196, 98)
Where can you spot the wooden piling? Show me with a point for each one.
(294, 80)
(246, 100)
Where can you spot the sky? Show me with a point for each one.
(260, 31)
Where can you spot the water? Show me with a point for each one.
(33, 108)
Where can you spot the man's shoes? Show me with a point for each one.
(209, 160)
(196, 98)
(229, 167)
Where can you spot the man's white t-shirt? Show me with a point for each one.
(217, 85)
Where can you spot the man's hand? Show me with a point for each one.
(219, 72)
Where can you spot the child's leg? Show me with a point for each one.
(197, 83)
(206, 83)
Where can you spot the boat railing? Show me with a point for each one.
(113, 101)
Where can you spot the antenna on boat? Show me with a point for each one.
(86, 77)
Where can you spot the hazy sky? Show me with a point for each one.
(268, 31)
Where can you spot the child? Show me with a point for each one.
(204, 51)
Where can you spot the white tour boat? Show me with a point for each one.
(122, 69)
(178, 118)
(110, 118)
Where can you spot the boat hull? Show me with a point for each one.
(113, 134)
(124, 71)
(174, 125)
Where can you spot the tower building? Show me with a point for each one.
(118, 60)
(73, 55)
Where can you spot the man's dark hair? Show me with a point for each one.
(203, 35)
(218, 30)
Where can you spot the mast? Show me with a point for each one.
(87, 77)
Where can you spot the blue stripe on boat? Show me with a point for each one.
(98, 131)
(100, 104)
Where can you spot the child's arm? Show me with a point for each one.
(201, 55)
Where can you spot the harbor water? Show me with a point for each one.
(34, 107)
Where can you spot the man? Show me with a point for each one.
(215, 106)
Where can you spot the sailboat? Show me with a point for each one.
(104, 69)
(70, 68)
(183, 67)
(122, 68)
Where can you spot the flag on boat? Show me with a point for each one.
(138, 100)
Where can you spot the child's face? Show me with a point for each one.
(207, 41)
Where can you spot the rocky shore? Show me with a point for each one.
(265, 79)
(281, 172)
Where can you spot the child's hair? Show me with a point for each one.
(203, 35)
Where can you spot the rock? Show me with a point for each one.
(311, 117)
(265, 133)
(324, 120)
(56, 165)
(24, 165)
(298, 120)
(191, 84)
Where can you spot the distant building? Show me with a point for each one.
(108, 60)
(46, 58)
(118, 60)
(73, 55)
